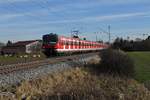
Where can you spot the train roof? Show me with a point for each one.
(72, 39)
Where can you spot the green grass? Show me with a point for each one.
(13, 60)
(142, 65)
(8, 60)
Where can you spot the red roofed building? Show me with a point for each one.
(22, 47)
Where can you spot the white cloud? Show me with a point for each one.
(88, 19)
(104, 17)
(9, 16)
(115, 16)
(120, 1)
(13, 1)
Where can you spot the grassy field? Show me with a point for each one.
(18, 59)
(142, 65)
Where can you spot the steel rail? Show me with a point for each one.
(24, 66)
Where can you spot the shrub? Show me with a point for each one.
(147, 84)
(116, 62)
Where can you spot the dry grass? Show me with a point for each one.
(95, 60)
(80, 83)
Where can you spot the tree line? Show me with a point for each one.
(131, 45)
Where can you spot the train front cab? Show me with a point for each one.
(50, 42)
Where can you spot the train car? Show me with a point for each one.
(54, 44)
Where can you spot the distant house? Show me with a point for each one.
(31, 46)
(1, 45)
(138, 39)
(0, 50)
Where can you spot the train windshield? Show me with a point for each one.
(50, 39)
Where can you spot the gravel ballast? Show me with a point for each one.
(19, 76)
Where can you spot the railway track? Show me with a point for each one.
(24, 66)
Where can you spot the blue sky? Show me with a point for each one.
(30, 19)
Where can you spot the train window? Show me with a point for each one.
(79, 43)
(75, 43)
(71, 43)
(64, 42)
(67, 43)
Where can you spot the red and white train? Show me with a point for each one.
(54, 44)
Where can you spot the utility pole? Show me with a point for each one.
(96, 35)
(109, 34)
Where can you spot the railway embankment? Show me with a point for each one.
(51, 65)
(83, 81)
(79, 84)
